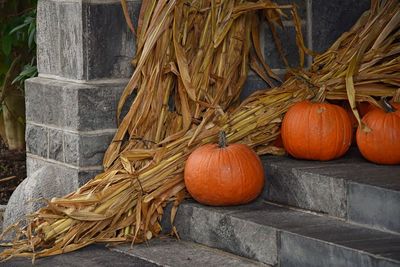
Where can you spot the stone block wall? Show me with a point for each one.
(84, 61)
(84, 54)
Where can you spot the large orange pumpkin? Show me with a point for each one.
(379, 141)
(221, 175)
(316, 131)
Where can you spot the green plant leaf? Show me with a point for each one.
(6, 44)
(31, 38)
(18, 28)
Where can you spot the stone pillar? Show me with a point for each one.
(84, 54)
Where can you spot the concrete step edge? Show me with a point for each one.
(244, 231)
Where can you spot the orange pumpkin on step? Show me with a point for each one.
(222, 175)
(316, 131)
(379, 141)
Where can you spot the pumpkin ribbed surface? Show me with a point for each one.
(379, 142)
(224, 176)
(316, 131)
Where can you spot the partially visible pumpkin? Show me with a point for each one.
(316, 131)
(379, 140)
(221, 175)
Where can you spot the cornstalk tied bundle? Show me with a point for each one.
(192, 61)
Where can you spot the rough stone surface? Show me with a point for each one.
(309, 191)
(72, 62)
(47, 38)
(92, 148)
(331, 18)
(217, 229)
(72, 35)
(170, 252)
(44, 183)
(94, 255)
(374, 206)
(313, 240)
(37, 139)
(78, 175)
(71, 148)
(86, 150)
(107, 21)
(56, 145)
(298, 251)
(350, 188)
(74, 106)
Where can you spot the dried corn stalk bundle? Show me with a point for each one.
(192, 61)
(363, 62)
(194, 54)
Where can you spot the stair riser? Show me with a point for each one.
(298, 251)
(231, 234)
(219, 229)
(368, 205)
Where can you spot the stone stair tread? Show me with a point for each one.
(292, 225)
(177, 253)
(350, 188)
(352, 168)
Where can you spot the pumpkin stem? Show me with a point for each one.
(387, 106)
(222, 139)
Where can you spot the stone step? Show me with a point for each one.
(350, 188)
(179, 253)
(157, 252)
(285, 237)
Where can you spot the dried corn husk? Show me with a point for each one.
(195, 54)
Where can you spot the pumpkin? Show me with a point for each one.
(222, 175)
(379, 139)
(316, 131)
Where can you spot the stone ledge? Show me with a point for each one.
(350, 188)
(284, 237)
(72, 106)
(75, 149)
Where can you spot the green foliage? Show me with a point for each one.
(17, 63)
(18, 38)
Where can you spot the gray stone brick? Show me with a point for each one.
(56, 145)
(92, 148)
(108, 35)
(72, 35)
(71, 148)
(43, 101)
(37, 140)
(72, 63)
(48, 38)
(331, 18)
(73, 106)
(85, 150)
(97, 106)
